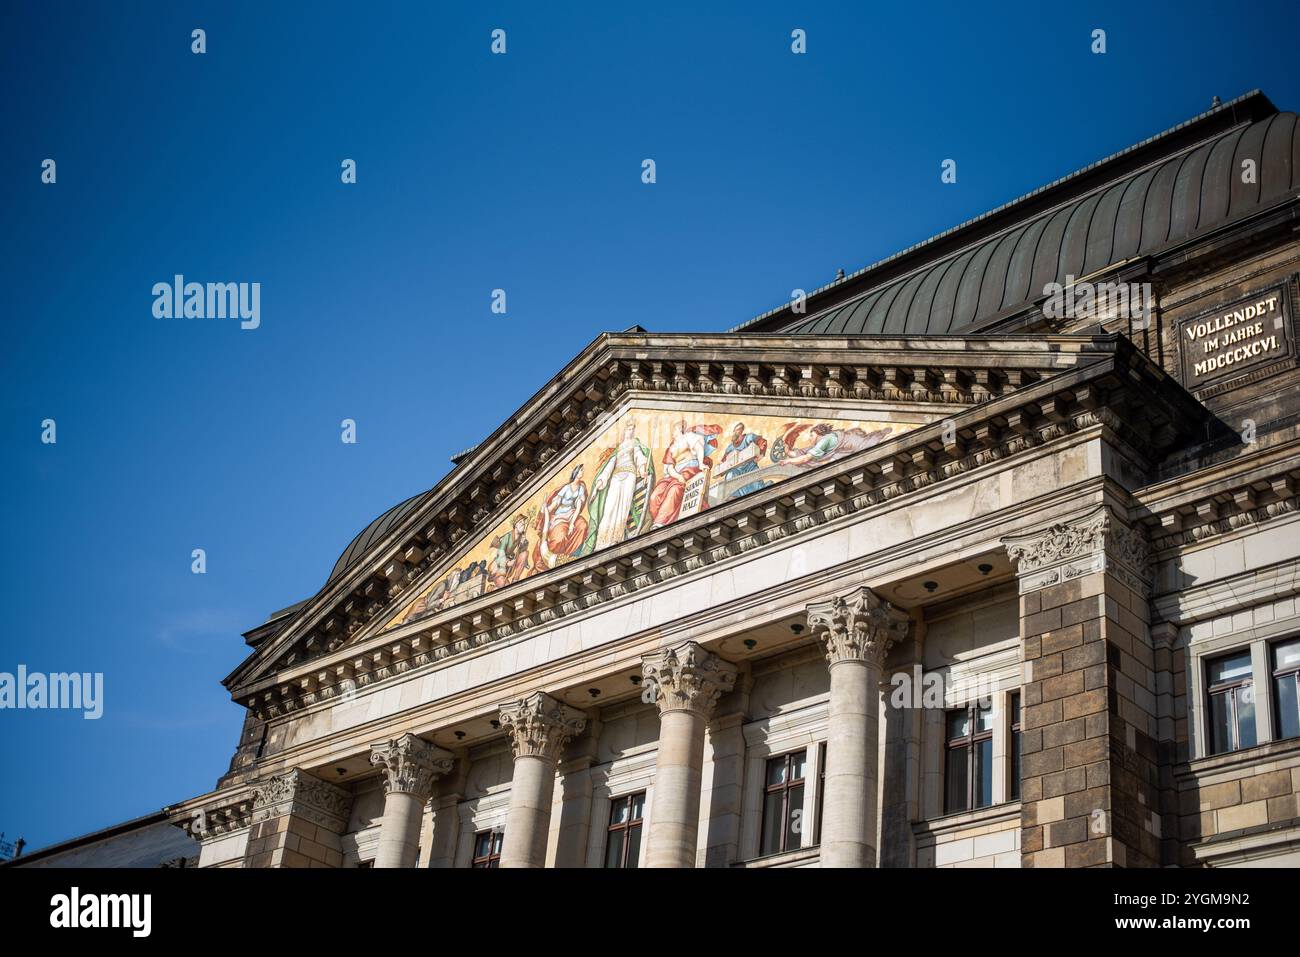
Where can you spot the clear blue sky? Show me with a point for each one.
(474, 172)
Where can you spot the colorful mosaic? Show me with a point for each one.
(649, 469)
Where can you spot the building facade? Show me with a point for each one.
(985, 555)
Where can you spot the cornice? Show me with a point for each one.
(874, 478)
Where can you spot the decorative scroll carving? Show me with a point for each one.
(410, 765)
(539, 726)
(302, 795)
(859, 626)
(1067, 550)
(686, 678)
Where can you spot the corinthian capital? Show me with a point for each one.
(859, 626)
(686, 678)
(410, 764)
(1097, 541)
(539, 726)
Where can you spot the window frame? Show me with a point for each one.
(626, 827)
(787, 784)
(1230, 690)
(1277, 675)
(1015, 719)
(492, 859)
(967, 743)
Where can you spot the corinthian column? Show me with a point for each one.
(410, 767)
(539, 728)
(686, 681)
(857, 630)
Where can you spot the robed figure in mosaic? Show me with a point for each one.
(687, 456)
(624, 476)
(561, 526)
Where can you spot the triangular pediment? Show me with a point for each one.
(649, 468)
(761, 409)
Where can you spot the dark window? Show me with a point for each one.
(968, 759)
(821, 791)
(783, 803)
(487, 849)
(1015, 746)
(1232, 703)
(365, 865)
(623, 846)
(1286, 685)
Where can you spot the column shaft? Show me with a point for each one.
(528, 822)
(399, 834)
(679, 770)
(848, 831)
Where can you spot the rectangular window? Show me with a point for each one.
(968, 759)
(487, 848)
(1014, 790)
(821, 791)
(1286, 688)
(623, 846)
(783, 803)
(1232, 703)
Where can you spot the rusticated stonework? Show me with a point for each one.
(539, 726)
(1068, 550)
(686, 678)
(860, 626)
(410, 764)
(303, 795)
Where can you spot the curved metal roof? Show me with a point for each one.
(373, 533)
(1139, 214)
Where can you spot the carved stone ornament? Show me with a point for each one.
(859, 626)
(1098, 541)
(302, 795)
(539, 726)
(686, 678)
(410, 764)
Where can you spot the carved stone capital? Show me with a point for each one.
(1098, 541)
(686, 678)
(410, 765)
(539, 726)
(302, 795)
(859, 626)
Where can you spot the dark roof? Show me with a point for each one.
(373, 533)
(1147, 198)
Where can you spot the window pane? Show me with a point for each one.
(776, 771)
(638, 806)
(1015, 709)
(1288, 709)
(983, 719)
(498, 837)
(954, 780)
(1245, 716)
(772, 823)
(794, 822)
(1287, 655)
(1220, 724)
(633, 846)
(798, 765)
(1233, 668)
(483, 844)
(614, 849)
(1015, 765)
(984, 773)
(618, 812)
(958, 724)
